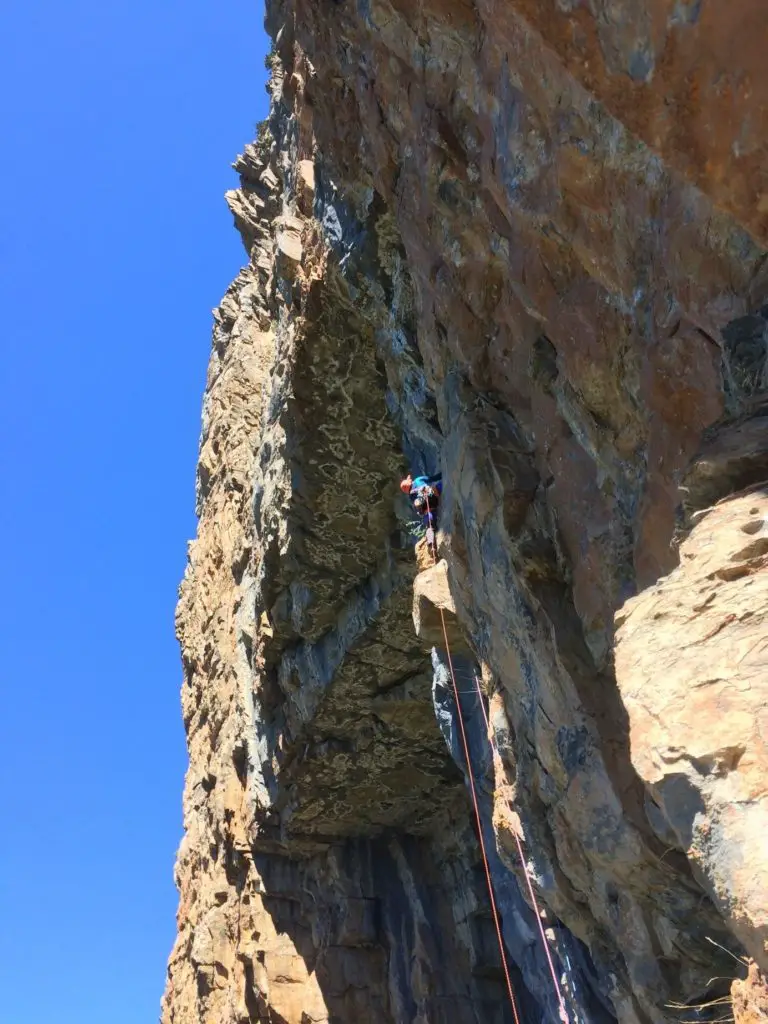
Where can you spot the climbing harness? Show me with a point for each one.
(563, 1013)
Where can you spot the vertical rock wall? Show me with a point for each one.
(523, 243)
(329, 869)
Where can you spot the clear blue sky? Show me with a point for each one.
(118, 121)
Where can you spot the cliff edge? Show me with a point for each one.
(524, 244)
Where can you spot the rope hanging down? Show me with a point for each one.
(494, 908)
(431, 541)
(432, 544)
(537, 910)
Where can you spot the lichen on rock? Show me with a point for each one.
(524, 244)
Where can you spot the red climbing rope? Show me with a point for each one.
(465, 743)
(494, 909)
(563, 1011)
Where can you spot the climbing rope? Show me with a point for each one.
(432, 545)
(494, 908)
(526, 871)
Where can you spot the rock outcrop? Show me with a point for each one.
(691, 670)
(749, 999)
(524, 243)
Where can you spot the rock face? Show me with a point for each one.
(434, 613)
(750, 998)
(691, 669)
(524, 243)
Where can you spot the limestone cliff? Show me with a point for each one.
(523, 243)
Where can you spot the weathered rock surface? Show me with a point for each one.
(691, 669)
(329, 869)
(523, 242)
(750, 998)
(434, 613)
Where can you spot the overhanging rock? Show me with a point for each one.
(434, 611)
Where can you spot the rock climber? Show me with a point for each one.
(424, 493)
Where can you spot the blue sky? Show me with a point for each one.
(118, 122)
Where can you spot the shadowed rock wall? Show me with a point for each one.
(524, 243)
